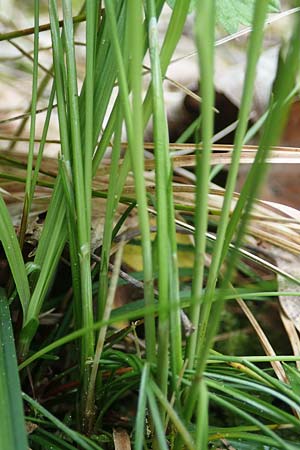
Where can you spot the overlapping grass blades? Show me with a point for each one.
(176, 382)
(13, 432)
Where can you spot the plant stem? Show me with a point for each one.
(202, 348)
(135, 146)
(205, 39)
(28, 186)
(90, 399)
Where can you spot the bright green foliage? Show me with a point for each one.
(12, 429)
(231, 13)
(155, 371)
(13, 253)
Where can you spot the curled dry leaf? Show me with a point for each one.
(30, 427)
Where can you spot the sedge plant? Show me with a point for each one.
(148, 365)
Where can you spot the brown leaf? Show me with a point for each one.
(121, 439)
(290, 304)
(292, 335)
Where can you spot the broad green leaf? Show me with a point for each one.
(13, 435)
(232, 13)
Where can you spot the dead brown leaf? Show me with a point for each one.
(121, 439)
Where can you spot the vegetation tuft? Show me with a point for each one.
(133, 289)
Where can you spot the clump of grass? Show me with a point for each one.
(156, 375)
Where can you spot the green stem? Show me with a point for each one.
(113, 197)
(161, 179)
(253, 54)
(90, 400)
(83, 209)
(28, 188)
(135, 145)
(205, 40)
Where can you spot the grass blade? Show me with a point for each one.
(203, 343)
(74, 435)
(13, 434)
(28, 187)
(141, 410)
(249, 418)
(14, 256)
(205, 29)
(160, 437)
(169, 327)
(137, 163)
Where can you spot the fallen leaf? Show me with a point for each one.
(121, 439)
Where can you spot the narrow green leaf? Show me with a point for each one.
(249, 418)
(14, 256)
(13, 434)
(294, 378)
(141, 410)
(201, 436)
(137, 164)
(174, 417)
(160, 437)
(74, 435)
(28, 187)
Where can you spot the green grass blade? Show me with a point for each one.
(111, 205)
(66, 176)
(48, 253)
(161, 179)
(90, 406)
(141, 410)
(54, 233)
(83, 210)
(205, 39)
(171, 39)
(132, 315)
(104, 80)
(168, 284)
(28, 186)
(177, 422)
(13, 432)
(203, 343)
(160, 437)
(279, 105)
(91, 25)
(202, 417)
(137, 163)
(14, 256)
(259, 407)
(136, 34)
(249, 418)
(42, 144)
(48, 440)
(277, 115)
(74, 435)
